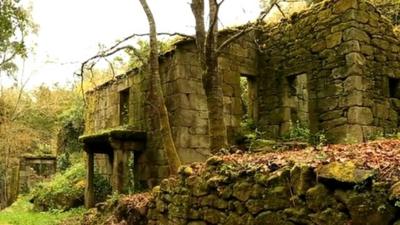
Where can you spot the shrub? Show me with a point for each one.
(66, 190)
(300, 132)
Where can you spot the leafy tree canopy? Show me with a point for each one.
(15, 25)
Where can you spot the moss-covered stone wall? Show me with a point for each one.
(223, 193)
(186, 103)
(341, 54)
(334, 67)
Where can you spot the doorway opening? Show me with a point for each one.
(248, 95)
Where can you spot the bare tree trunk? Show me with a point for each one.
(206, 42)
(156, 94)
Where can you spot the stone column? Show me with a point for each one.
(119, 165)
(89, 190)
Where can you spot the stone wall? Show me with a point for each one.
(35, 169)
(229, 193)
(334, 67)
(186, 103)
(342, 53)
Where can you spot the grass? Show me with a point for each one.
(21, 213)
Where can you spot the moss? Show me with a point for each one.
(117, 133)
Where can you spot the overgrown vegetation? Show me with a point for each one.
(21, 212)
(28, 121)
(66, 190)
(300, 132)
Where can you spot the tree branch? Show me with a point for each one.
(247, 28)
(280, 9)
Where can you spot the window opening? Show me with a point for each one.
(124, 107)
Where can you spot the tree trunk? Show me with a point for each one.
(206, 42)
(156, 96)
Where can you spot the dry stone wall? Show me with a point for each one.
(334, 67)
(251, 195)
(347, 54)
(186, 103)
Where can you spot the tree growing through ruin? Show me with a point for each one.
(156, 96)
(209, 47)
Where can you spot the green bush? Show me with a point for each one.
(302, 133)
(66, 190)
(298, 132)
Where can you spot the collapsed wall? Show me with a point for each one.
(334, 67)
(246, 194)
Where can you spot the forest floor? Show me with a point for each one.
(21, 213)
(382, 156)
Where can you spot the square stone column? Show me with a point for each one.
(89, 189)
(120, 166)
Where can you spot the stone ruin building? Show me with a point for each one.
(334, 67)
(34, 169)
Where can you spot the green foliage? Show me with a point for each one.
(21, 213)
(72, 126)
(298, 132)
(139, 57)
(302, 133)
(102, 188)
(251, 136)
(244, 95)
(63, 161)
(66, 190)
(15, 25)
(392, 134)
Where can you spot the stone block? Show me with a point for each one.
(367, 50)
(333, 123)
(182, 137)
(355, 98)
(176, 101)
(183, 117)
(318, 46)
(343, 26)
(324, 14)
(190, 155)
(199, 141)
(334, 39)
(381, 111)
(356, 34)
(345, 134)
(354, 83)
(380, 43)
(237, 106)
(231, 78)
(339, 72)
(343, 5)
(328, 104)
(185, 86)
(349, 46)
(227, 89)
(355, 58)
(360, 115)
(331, 115)
(203, 130)
(197, 102)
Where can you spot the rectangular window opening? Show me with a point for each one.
(394, 87)
(124, 107)
(248, 94)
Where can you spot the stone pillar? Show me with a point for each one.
(89, 190)
(119, 166)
